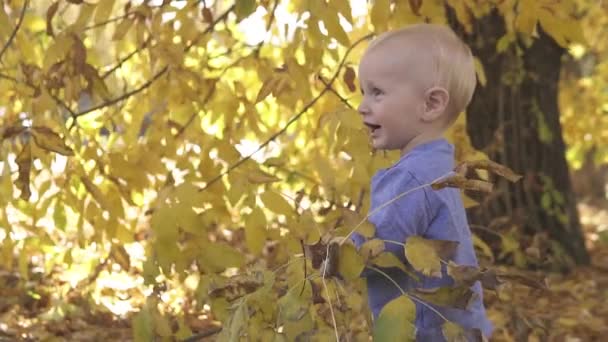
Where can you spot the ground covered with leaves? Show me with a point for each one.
(571, 308)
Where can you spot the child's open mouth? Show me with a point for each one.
(372, 127)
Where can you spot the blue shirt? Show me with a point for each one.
(428, 213)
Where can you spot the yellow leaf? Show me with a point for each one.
(86, 11)
(350, 263)
(380, 15)
(217, 256)
(257, 176)
(48, 140)
(57, 51)
(396, 321)
(95, 192)
(103, 11)
(122, 29)
(189, 220)
(6, 184)
(276, 202)
(387, 260)
(372, 248)
(481, 75)
(467, 201)
(335, 29)
(527, 18)
(163, 224)
(255, 231)
(477, 242)
(267, 88)
(426, 255)
(143, 325)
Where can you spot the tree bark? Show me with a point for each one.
(515, 120)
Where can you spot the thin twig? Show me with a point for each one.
(111, 20)
(331, 307)
(335, 92)
(126, 58)
(298, 258)
(14, 33)
(290, 122)
(154, 78)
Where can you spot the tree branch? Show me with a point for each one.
(109, 21)
(292, 120)
(156, 76)
(126, 58)
(14, 33)
(335, 92)
(125, 95)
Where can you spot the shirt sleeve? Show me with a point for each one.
(410, 214)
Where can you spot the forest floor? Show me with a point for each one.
(573, 309)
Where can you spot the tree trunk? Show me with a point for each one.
(515, 120)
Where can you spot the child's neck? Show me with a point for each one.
(421, 139)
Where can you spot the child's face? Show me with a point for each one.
(393, 96)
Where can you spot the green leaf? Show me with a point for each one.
(236, 324)
(244, 8)
(350, 263)
(143, 326)
(218, 256)
(396, 321)
(426, 255)
(295, 303)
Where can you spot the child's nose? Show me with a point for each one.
(363, 108)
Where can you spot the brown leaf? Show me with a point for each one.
(415, 6)
(459, 297)
(237, 286)
(50, 13)
(95, 192)
(207, 15)
(79, 54)
(48, 140)
(349, 79)
(24, 161)
(463, 274)
(459, 181)
(467, 275)
(524, 280)
(12, 131)
(266, 89)
(496, 168)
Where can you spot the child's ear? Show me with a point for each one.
(435, 103)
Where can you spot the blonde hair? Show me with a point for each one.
(453, 66)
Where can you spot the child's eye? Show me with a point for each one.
(376, 92)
